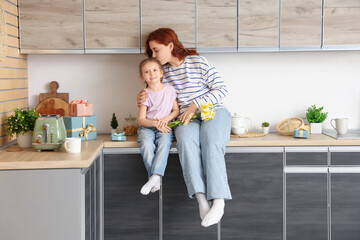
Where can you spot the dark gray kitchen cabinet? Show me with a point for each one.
(306, 206)
(127, 213)
(256, 182)
(345, 193)
(181, 219)
(306, 190)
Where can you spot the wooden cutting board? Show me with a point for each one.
(53, 106)
(54, 86)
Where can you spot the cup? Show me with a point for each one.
(239, 130)
(72, 145)
(341, 125)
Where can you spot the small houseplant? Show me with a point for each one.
(265, 127)
(22, 124)
(316, 117)
(114, 124)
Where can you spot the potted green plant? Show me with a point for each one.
(316, 117)
(21, 124)
(114, 124)
(265, 127)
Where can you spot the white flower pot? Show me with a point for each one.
(265, 130)
(315, 128)
(113, 131)
(24, 140)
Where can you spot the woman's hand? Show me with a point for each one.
(141, 97)
(191, 109)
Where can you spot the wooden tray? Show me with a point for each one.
(249, 134)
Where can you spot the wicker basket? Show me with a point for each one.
(287, 126)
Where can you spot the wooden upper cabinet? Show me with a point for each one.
(51, 25)
(300, 23)
(341, 22)
(216, 21)
(258, 23)
(178, 15)
(112, 24)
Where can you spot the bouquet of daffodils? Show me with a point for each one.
(207, 112)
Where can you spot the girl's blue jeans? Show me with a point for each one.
(201, 147)
(154, 148)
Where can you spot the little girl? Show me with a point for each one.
(155, 137)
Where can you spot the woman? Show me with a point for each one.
(201, 145)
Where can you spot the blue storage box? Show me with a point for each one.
(118, 137)
(301, 133)
(84, 127)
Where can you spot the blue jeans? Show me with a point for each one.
(201, 147)
(154, 148)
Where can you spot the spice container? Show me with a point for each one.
(130, 126)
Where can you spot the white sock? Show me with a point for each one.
(215, 214)
(150, 184)
(204, 205)
(156, 187)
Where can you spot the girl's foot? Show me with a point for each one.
(153, 180)
(156, 187)
(215, 214)
(204, 205)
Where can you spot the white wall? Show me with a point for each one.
(264, 86)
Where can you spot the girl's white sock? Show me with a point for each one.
(215, 214)
(153, 180)
(204, 205)
(156, 187)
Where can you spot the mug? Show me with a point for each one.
(239, 130)
(341, 125)
(72, 145)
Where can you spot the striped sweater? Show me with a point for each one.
(195, 80)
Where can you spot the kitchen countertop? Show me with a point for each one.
(31, 159)
(272, 139)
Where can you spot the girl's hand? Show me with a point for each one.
(163, 121)
(141, 97)
(191, 109)
(164, 129)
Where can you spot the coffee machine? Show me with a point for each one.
(49, 133)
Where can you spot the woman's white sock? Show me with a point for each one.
(153, 180)
(215, 214)
(204, 205)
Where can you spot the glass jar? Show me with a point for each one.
(130, 126)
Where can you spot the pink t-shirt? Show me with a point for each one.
(160, 103)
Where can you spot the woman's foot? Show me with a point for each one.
(153, 180)
(215, 214)
(204, 205)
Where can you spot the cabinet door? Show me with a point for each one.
(341, 22)
(258, 23)
(301, 23)
(345, 206)
(112, 24)
(256, 210)
(128, 214)
(181, 218)
(51, 25)
(178, 15)
(217, 23)
(306, 206)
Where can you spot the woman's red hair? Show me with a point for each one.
(166, 36)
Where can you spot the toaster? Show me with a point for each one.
(49, 133)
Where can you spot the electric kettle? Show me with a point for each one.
(49, 133)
